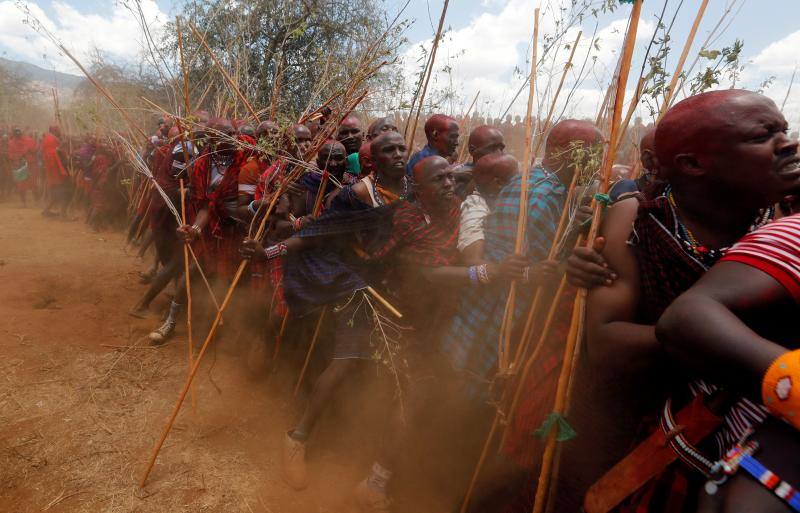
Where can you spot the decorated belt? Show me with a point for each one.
(741, 456)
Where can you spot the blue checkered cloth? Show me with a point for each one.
(471, 342)
(427, 151)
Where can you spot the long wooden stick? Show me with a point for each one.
(670, 94)
(226, 300)
(211, 333)
(224, 73)
(565, 375)
(505, 326)
(429, 70)
(466, 129)
(310, 352)
(188, 282)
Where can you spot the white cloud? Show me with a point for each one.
(483, 56)
(118, 35)
(779, 59)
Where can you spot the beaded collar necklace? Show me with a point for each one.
(708, 256)
(379, 195)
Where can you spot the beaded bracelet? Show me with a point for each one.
(297, 223)
(780, 388)
(473, 274)
(196, 229)
(483, 274)
(278, 250)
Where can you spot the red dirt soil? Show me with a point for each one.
(79, 417)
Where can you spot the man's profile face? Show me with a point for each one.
(751, 155)
(446, 141)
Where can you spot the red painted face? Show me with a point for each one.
(748, 153)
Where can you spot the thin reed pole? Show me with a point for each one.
(224, 73)
(508, 315)
(311, 347)
(429, 71)
(576, 327)
(670, 94)
(467, 125)
(188, 282)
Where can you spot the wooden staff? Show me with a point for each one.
(226, 300)
(428, 71)
(467, 126)
(212, 332)
(505, 326)
(279, 338)
(188, 282)
(670, 94)
(103, 91)
(311, 347)
(224, 73)
(576, 327)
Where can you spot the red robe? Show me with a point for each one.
(54, 169)
(20, 150)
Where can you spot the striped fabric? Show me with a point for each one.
(471, 342)
(775, 250)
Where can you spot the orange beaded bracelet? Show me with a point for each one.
(780, 388)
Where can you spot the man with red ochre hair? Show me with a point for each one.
(57, 176)
(725, 160)
(442, 134)
(351, 134)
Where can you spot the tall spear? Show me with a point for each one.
(527, 156)
(576, 326)
(670, 95)
(428, 71)
(229, 294)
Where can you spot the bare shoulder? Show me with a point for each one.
(361, 192)
(616, 228)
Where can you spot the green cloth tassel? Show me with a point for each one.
(626, 1)
(565, 431)
(605, 199)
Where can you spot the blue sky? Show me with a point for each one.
(487, 40)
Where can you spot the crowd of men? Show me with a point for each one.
(687, 386)
(65, 174)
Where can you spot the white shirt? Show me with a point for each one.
(473, 219)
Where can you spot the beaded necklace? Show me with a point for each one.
(708, 256)
(379, 192)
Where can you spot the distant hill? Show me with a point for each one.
(46, 77)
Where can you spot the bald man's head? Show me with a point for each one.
(442, 134)
(728, 145)
(298, 140)
(647, 151)
(434, 184)
(484, 140)
(379, 126)
(493, 172)
(561, 153)
(332, 157)
(389, 154)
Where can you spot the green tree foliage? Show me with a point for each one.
(315, 46)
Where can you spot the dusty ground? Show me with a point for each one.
(83, 398)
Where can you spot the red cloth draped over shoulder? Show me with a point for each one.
(54, 169)
(219, 245)
(20, 148)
